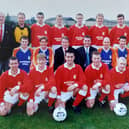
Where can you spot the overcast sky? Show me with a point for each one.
(110, 8)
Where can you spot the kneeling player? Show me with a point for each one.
(95, 75)
(43, 84)
(119, 81)
(12, 82)
(70, 82)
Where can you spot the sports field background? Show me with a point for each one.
(96, 118)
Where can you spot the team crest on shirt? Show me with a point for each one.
(103, 33)
(28, 57)
(101, 75)
(125, 34)
(18, 83)
(46, 79)
(74, 76)
(45, 32)
(83, 33)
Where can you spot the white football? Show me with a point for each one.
(120, 109)
(59, 114)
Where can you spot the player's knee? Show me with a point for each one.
(85, 88)
(54, 90)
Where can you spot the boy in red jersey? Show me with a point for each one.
(98, 31)
(57, 32)
(43, 84)
(118, 79)
(39, 30)
(77, 32)
(119, 30)
(95, 75)
(70, 82)
(14, 85)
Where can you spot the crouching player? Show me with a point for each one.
(43, 84)
(95, 75)
(70, 81)
(118, 80)
(12, 82)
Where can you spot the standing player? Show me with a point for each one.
(98, 31)
(70, 81)
(44, 49)
(14, 85)
(24, 54)
(122, 50)
(43, 84)
(39, 30)
(57, 32)
(107, 53)
(21, 29)
(119, 30)
(95, 75)
(118, 80)
(77, 32)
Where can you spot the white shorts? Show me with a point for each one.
(65, 96)
(11, 99)
(93, 93)
(38, 99)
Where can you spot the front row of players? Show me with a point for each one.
(68, 82)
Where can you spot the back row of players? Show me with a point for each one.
(10, 36)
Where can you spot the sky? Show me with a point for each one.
(110, 8)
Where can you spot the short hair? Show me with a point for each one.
(122, 37)
(120, 15)
(13, 58)
(121, 59)
(21, 13)
(40, 13)
(95, 53)
(65, 37)
(79, 14)
(24, 37)
(106, 38)
(59, 15)
(44, 37)
(41, 55)
(100, 15)
(87, 36)
(70, 51)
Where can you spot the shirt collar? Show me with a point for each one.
(66, 66)
(37, 69)
(118, 26)
(59, 26)
(24, 50)
(92, 65)
(79, 26)
(10, 74)
(117, 70)
(121, 49)
(106, 50)
(40, 24)
(99, 26)
(87, 48)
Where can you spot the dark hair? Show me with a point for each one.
(122, 37)
(87, 36)
(24, 37)
(79, 14)
(40, 13)
(70, 51)
(44, 37)
(13, 58)
(120, 15)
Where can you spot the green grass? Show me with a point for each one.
(89, 119)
